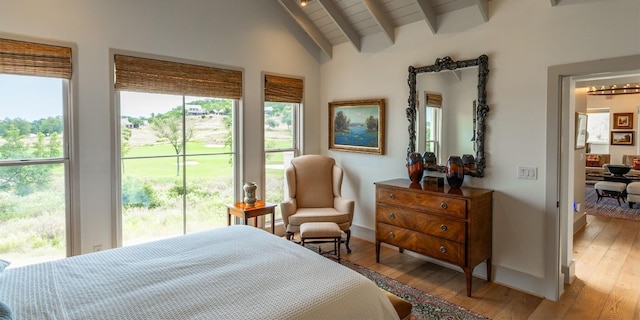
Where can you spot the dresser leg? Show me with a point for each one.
(468, 273)
(377, 251)
(489, 270)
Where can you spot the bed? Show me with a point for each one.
(235, 272)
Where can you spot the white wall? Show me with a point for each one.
(626, 103)
(522, 39)
(254, 35)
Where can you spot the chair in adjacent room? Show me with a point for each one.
(314, 195)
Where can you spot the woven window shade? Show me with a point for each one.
(434, 100)
(282, 89)
(34, 59)
(157, 76)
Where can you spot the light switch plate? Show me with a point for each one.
(530, 173)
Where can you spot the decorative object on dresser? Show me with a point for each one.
(455, 172)
(454, 227)
(415, 167)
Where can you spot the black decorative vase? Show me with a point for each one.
(415, 167)
(454, 171)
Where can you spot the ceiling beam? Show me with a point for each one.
(341, 22)
(428, 13)
(483, 6)
(554, 3)
(381, 18)
(307, 25)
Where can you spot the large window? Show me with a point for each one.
(433, 120)
(177, 151)
(283, 96)
(34, 154)
(598, 130)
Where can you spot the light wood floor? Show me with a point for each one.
(607, 253)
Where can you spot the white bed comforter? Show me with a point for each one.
(236, 272)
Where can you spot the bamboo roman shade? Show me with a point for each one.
(158, 76)
(434, 100)
(282, 89)
(34, 59)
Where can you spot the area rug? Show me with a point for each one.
(608, 207)
(425, 306)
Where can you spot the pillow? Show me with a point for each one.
(593, 160)
(5, 312)
(4, 264)
(636, 163)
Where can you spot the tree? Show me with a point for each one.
(271, 123)
(125, 146)
(372, 124)
(25, 179)
(341, 123)
(169, 127)
(51, 125)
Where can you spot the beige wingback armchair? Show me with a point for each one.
(315, 184)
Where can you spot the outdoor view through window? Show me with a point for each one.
(177, 164)
(33, 169)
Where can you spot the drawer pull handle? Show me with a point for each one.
(443, 205)
(392, 196)
(392, 216)
(392, 235)
(443, 227)
(443, 249)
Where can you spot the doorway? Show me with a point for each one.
(560, 169)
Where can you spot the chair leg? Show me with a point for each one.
(346, 244)
(289, 235)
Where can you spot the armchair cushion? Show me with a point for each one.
(318, 215)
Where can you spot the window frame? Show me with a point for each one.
(296, 145)
(73, 241)
(116, 183)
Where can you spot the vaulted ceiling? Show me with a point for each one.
(332, 22)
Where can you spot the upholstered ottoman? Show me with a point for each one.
(319, 232)
(610, 189)
(633, 193)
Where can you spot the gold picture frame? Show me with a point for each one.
(623, 120)
(357, 126)
(623, 138)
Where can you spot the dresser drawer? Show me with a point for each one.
(438, 248)
(436, 204)
(452, 229)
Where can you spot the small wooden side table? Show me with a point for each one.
(244, 211)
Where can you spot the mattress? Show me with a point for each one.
(235, 272)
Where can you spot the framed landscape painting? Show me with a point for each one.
(357, 126)
(622, 138)
(623, 120)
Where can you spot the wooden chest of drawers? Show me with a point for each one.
(447, 224)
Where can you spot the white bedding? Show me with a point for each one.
(236, 272)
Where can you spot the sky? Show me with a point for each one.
(33, 98)
(30, 98)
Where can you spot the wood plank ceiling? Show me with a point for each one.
(332, 22)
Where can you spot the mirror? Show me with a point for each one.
(468, 135)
